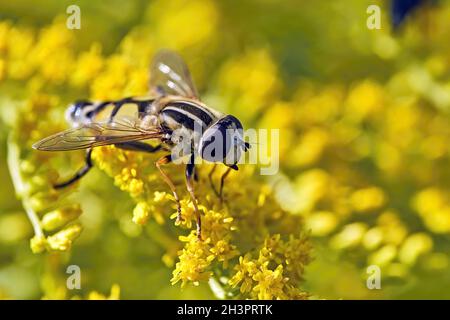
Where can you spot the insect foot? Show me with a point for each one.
(179, 215)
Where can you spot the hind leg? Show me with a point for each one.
(132, 146)
(80, 173)
(162, 161)
(138, 146)
(190, 168)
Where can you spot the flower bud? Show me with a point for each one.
(58, 218)
(62, 240)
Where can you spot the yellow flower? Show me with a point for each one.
(57, 218)
(392, 228)
(53, 53)
(414, 246)
(38, 244)
(373, 238)
(321, 223)
(88, 66)
(310, 147)
(434, 208)
(258, 280)
(223, 251)
(197, 256)
(367, 199)
(260, 85)
(19, 43)
(364, 99)
(63, 239)
(5, 27)
(172, 17)
(310, 187)
(110, 83)
(383, 256)
(269, 283)
(141, 213)
(2, 68)
(350, 236)
(114, 294)
(193, 261)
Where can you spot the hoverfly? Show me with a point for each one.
(172, 106)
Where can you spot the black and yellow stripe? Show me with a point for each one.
(187, 114)
(85, 111)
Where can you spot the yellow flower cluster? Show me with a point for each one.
(197, 256)
(46, 56)
(272, 274)
(228, 229)
(94, 295)
(433, 206)
(354, 160)
(135, 174)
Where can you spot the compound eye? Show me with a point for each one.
(214, 145)
(218, 144)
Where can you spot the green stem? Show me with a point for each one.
(216, 288)
(14, 169)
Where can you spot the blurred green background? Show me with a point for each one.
(364, 118)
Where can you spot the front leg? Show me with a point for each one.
(211, 182)
(222, 182)
(190, 168)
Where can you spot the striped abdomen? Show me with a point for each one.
(82, 112)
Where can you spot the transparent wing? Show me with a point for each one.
(169, 75)
(97, 134)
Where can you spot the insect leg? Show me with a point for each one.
(210, 175)
(80, 173)
(165, 160)
(190, 167)
(195, 174)
(222, 181)
(138, 146)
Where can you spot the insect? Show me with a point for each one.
(172, 114)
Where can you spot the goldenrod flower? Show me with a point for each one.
(274, 273)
